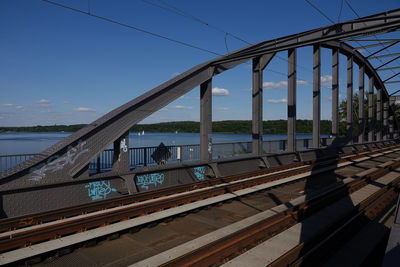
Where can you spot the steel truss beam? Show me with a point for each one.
(97, 136)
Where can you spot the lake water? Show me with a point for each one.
(34, 142)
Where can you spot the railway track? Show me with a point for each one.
(12, 224)
(25, 232)
(305, 218)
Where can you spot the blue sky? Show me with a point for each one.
(62, 67)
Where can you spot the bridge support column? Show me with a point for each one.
(379, 114)
(316, 96)
(349, 126)
(361, 125)
(259, 65)
(385, 119)
(335, 93)
(391, 119)
(371, 109)
(206, 120)
(121, 154)
(291, 100)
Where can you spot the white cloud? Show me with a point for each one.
(44, 103)
(223, 109)
(181, 107)
(326, 81)
(277, 101)
(220, 91)
(20, 107)
(301, 82)
(175, 74)
(84, 109)
(274, 85)
(66, 102)
(7, 105)
(281, 84)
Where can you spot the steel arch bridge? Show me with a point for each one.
(59, 176)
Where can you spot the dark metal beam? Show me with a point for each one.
(369, 40)
(390, 61)
(392, 82)
(387, 21)
(335, 92)
(206, 120)
(391, 77)
(316, 96)
(121, 154)
(392, 68)
(379, 114)
(371, 109)
(386, 55)
(259, 65)
(114, 124)
(395, 98)
(375, 45)
(361, 125)
(291, 100)
(349, 108)
(384, 48)
(385, 119)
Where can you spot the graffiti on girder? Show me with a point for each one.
(57, 163)
(149, 179)
(99, 189)
(199, 172)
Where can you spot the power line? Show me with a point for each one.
(133, 27)
(186, 14)
(320, 11)
(352, 9)
(171, 8)
(340, 11)
(158, 35)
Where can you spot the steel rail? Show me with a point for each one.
(29, 237)
(49, 216)
(368, 209)
(235, 244)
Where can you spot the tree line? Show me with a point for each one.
(235, 126)
(229, 126)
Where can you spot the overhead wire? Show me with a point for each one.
(171, 8)
(340, 11)
(355, 12)
(348, 4)
(91, 14)
(132, 27)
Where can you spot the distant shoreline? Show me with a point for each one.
(223, 127)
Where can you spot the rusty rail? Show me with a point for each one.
(235, 244)
(29, 237)
(49, 216)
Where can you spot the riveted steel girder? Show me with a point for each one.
(70, 157)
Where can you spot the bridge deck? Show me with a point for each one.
(163, 240)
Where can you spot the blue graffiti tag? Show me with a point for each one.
(150, 179)
(199, 172)
(99, 190)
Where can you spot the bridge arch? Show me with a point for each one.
(69, 158)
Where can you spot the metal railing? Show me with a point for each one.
(142, 156)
